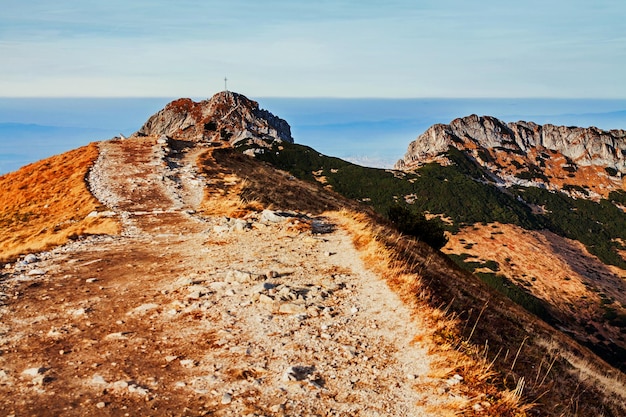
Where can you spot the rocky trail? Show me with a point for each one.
(185, 314)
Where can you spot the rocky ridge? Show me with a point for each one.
(225, 117)
(270, 314)
(194, 313)
(527, 153)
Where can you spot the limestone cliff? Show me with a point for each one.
(226, 116)
(528, 153)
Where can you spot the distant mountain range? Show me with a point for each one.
(22, 143)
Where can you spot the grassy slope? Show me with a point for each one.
(460, 192)
(46, 203)
(466, 315)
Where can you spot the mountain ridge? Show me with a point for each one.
(213, 236)
(529, 154)
(227, 116)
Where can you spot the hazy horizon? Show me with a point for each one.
(371, 132)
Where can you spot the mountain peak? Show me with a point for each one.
(227, 117)
(525, 153)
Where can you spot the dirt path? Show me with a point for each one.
(183, 315)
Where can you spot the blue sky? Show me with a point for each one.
(289, 48)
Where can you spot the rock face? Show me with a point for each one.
(227, 117)
(583, 146)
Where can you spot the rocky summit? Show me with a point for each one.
(225, 117)
(526, 153)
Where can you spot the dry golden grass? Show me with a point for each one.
(499, 360)
(443, 338)
(46, 203)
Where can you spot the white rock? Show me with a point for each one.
(136, 389)
(36, 272)
(291, 308)
(30, 258)
(218, 285)
(101, 404)
(227, 398)
(91, 280)
(270, 216)
(187, 363)
(220, 229)
(121, 384)
(98, 379)
(238, 276)
(456, 379)
(33, 372)
(115, 336)
(241, 225)
(266, 299)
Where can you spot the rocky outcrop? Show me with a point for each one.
(226, 117)
(582, 146)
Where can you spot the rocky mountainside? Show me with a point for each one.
(226, 116)
(550, 221)
(556, 157)
(229, 287)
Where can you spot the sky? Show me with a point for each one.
(324, 48)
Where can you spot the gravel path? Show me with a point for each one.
(183, 315)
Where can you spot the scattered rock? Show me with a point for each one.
(265, 299)
(101, 404)
(119, 385)
(298, 373)
(36, 272)
(30, 258)
(238, 276)
(187, 363)
(98, 379)
(270, 216)
(454, 380)
(240, 225)
(291, 308)
(226, 398)
(136, 389)
(33, 372)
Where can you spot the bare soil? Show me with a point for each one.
(189, 314)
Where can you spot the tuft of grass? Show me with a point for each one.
(376, 245)
(46, 204)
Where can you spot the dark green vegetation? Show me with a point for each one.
(596, 225)
(463, 193)
(416, 225)
(501, 284)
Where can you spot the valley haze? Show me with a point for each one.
(370, 132)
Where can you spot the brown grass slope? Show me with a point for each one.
(46, 203)
(512, 363)
(506, 355)
(581, 292)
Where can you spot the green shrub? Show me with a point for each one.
(416, 225)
